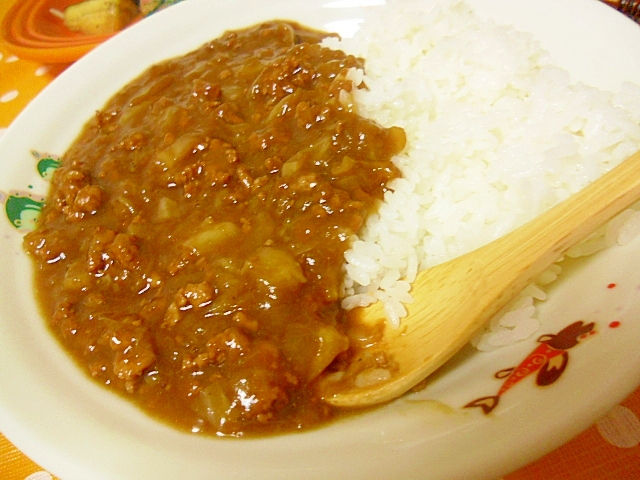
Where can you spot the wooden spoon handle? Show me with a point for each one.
(484, 281)
(457, 297)
(525, 253)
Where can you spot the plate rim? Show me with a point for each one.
(165, 18)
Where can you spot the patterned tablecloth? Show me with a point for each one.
(610, 449)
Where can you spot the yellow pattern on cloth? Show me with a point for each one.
(20, 81)
(14, 465)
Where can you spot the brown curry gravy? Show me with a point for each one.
(189, 254)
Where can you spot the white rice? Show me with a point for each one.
(496, 134)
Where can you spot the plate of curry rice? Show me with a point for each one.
(197, 210)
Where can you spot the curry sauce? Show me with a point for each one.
(190, 252)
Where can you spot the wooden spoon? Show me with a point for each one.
(454, 299)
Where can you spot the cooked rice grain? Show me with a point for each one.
(496, 134)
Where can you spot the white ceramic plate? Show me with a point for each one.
(76, 430)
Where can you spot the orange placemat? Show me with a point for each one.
(608, 450)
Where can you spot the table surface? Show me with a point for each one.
(610, 449)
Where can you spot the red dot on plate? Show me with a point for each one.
(614, 324)
(612, 285)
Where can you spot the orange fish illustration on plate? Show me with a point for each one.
(549, 359)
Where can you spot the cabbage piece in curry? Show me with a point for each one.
(190, 252)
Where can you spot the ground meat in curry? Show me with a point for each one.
(190, 252)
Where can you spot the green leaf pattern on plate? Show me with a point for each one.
(22, 207)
